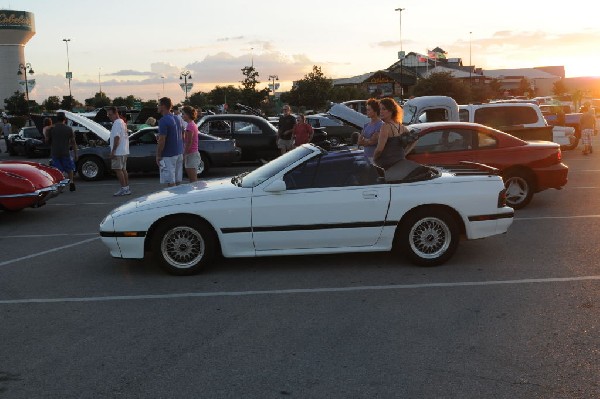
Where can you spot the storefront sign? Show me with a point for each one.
(16, 20)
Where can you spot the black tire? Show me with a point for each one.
(182, 247)
(29, 151)
(572, 146)
(90, 168)
(204, 166)
(519, 188)
(428, 236)
(11, 151)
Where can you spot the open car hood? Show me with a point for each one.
(95, 127)
(348, 115)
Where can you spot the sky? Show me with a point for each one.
(127, 47)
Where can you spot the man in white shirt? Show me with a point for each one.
(119, 144)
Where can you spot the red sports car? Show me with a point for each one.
(527, 167)
(28, 184)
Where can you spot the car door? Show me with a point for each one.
(249, 137)
(331, 201)
(444, 146)
(142, 151)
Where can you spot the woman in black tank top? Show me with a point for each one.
(389, 147)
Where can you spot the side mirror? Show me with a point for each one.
(278, 186)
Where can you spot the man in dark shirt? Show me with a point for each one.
(285, 131)
(61, 139)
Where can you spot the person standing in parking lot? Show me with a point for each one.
(303, 132)
(169, 154)
(181, 124)
(191, 156)
(285, 130)
(370, 135)
(6, 130)
(61, 139)
(119, 144)
(588, 125)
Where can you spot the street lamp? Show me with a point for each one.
(99, 81)
(401, 54)
(163, 82)
(23, 71)
(273, 78)
(470, 63)
(185, 75)
(69, 75)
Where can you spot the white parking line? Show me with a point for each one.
(299, 290)
(82, 203)
(50, 235)
(558, 217)
(8, 262)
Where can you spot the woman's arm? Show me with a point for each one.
(383, 137)
(188, 141)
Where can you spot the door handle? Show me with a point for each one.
(369, 194)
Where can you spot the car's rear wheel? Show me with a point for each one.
(90, 168)
(204, 166)
(183, 247)
(519, 189)
(428, 237)
(573, 145)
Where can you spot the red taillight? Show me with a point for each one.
(502, 199)
(559, 155)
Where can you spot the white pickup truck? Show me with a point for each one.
(523, 120)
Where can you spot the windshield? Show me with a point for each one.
(269, 170)
(409, 114)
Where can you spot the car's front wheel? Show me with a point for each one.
(183, 247)
(519, 189)
(90, 168)
(429, 237)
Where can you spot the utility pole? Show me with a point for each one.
(273, 78)
(470, 62)
(99, 81)
(69, 75)
(401, 54)
(185, 75)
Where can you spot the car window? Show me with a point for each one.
(332, 170)
(313, 122)
(434, 115)
(243, 127)
(32, 134)
(216, 128)
(324, 121)
(444, 141)
(505, 116)
(486, 140)
(463, 115)
(148, 137)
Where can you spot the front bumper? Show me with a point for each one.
(39, 197)
(554, 176)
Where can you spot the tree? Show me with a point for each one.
(443, 84)
(224, 94)
(69, 102)
(524, 87)
(249, 95)
(559, 88)
(198, 99)
(339, 94)
(312, 91)
(16, 104)
(150, 104)
(98, 101)
(52, 103)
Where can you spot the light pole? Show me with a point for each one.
(68, 74)
(163, 82)
(99, 81)
(401, 54)
(273, 78)
(23, 71)
(470, 62)
(185, 75)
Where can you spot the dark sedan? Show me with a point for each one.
(526, 167)
(29, 142)
(94, 161)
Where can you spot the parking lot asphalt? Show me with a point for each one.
(514, 316)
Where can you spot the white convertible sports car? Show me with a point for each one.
(309, 201)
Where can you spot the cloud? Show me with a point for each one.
(225, 67)
(129, 72)
(265, 45)
(165, 69)
(393, 43)
(227, 39)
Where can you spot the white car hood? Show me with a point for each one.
(201, 191)
(348, 115)
(93, 126)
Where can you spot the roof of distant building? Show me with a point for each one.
(455, 73)
(529, 73)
